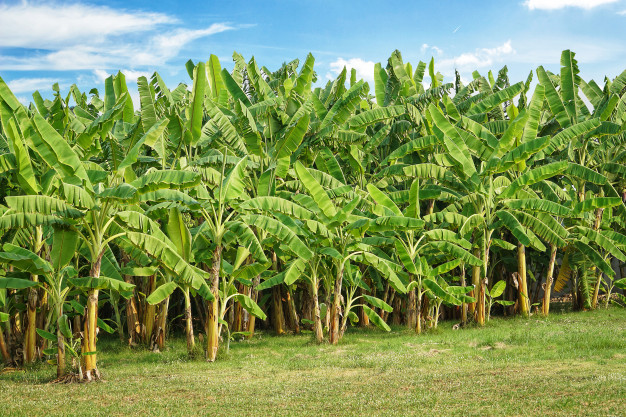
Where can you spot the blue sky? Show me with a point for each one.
(43, 42)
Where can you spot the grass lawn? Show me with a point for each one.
(569, 364)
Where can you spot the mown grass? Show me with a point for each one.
(569, 364)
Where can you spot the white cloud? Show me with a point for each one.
(426, 47)
(171, 42)
(131, 76)
(101, 75)
(483, 57)
(151, 52)
(622, 13)
(29, 85)
(559, 4)
(85, 37)
(364, 69)
(52, 26)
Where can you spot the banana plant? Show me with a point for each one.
(58, 281)
(440, 292)
(415, 247)
(355, 282)
(312, 271)
(583, 138)
(178, 238)
(333, 238)
(496, 291)
(344, 245)
(92, 214)
(77, 206)
(239, 271)
(171, 251)
(413, 184)
(619, 283)
(23, 169)
(496, 192)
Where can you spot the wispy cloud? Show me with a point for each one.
(480, 58)
(559, 4)
(28, 85)
(131, 76)
(168, 45)
(54, 26)
(364, 69)
(426, 47)
(85, 37)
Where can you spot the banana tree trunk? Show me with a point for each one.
(238, 311)
(278, 316)
(294, 321)
(91, 323)
(411, 312)
(523, 286)
(78, 324)
(161, 329)
(483, 280)
(326, 319)
(476, 284)
(335, 308)
(254, 294)
(60, 347)
(132, 321)
(480, 304)
(364, 319)
(396, 317)
(30, 339)
(213, 314)
(317, 319)
(3, 347)
(596, 290)
(427, 312)
(549, 279)
(188, 323)
(132, 316)
(344, 325)
(473, 307)
(418, 311)
(149, 312)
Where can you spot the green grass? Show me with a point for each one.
(569, 364)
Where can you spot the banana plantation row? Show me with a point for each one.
(252, 200)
